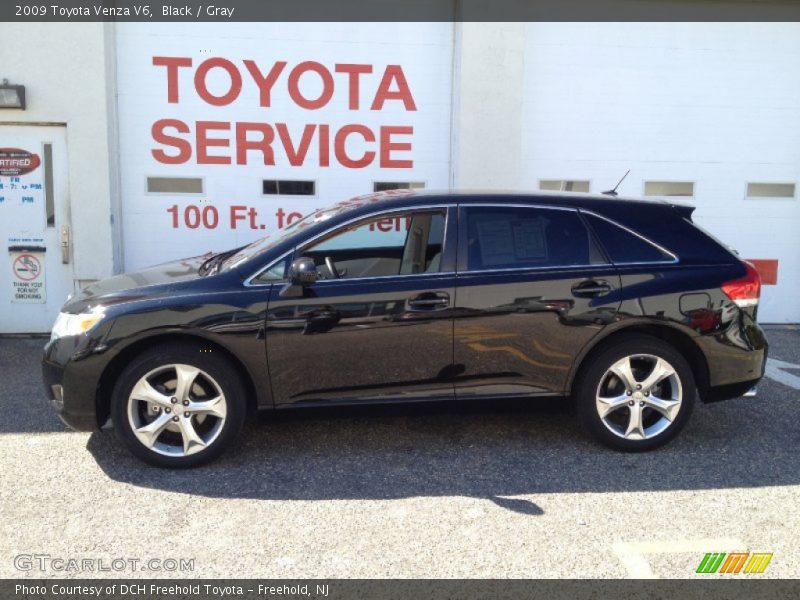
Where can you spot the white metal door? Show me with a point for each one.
(36, 267)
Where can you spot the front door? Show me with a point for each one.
(377, 325)
(37, 275)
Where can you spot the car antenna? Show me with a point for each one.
(613, 192)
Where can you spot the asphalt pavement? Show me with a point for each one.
(504, 489)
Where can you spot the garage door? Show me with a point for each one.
(230, 131)
(700, 113)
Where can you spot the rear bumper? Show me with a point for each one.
(737, 360)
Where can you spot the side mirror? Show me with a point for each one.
(303, 271)
(302, 274)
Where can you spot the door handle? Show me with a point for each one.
(590, 288)
(430, 301)
(66, 242)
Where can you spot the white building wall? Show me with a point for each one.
(424, 51)
(488, 105)
(715, 104)
(67, 71)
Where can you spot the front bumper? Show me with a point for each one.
(68, 386)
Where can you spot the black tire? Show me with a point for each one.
(222, 373)
(594, 374)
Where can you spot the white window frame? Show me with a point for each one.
(202, 179)
(747, 184)
(573, 179)
(646, 181)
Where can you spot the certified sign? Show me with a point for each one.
(27, 277)
(15, 162)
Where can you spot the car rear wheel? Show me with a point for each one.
(636, 395)
(178, 406)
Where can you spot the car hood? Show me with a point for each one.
(147, 283)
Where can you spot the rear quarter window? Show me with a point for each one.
(624, 246)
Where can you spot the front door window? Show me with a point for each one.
(398, 244)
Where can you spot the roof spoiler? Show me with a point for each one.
(683, 210)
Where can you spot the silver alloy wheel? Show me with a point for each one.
(177, 410)
(639, 396)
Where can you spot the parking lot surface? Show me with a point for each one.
(471, 490)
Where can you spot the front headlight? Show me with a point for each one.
(67, 324)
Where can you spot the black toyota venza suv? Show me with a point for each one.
(623, 304)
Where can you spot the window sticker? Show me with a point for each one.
(504, 242)
(529, 241)
(497, 242)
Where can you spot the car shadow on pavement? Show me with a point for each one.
(494, 451)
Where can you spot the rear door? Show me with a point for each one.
(533, 288)
(378, 324)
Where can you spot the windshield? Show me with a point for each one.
(269, 241)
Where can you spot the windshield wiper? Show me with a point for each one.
(212, 264)
(206, 265)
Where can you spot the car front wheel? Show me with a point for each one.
(636, 395)
(178, 406)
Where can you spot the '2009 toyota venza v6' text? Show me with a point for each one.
(624, 305)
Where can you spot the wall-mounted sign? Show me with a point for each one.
(327, 113)
(15, 162)
(27, 272)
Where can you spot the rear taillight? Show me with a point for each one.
(746, 290)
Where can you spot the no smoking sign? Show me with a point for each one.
(27, 267)
(27, 277)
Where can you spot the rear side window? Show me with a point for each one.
(624, 246)
(521, 237)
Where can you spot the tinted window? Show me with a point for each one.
(400, 244)
(385, 186)
(623, 246)
(276, 272)
(504, 238)
(285, 187)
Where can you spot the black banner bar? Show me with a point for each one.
(27, 249)
(397, 10)
(710, 587)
